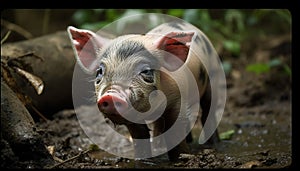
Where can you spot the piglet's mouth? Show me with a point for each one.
(116, 118)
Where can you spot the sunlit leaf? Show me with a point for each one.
(227, 135)
(176, 12)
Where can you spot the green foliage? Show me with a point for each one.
(230, 27)
(176, 12)
(234, 26)
(260, 68)
(227, 135)
(233, 46)
(225, 29)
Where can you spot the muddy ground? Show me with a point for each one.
(258, 112)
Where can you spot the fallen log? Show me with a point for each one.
(19, 138)
(55, 68)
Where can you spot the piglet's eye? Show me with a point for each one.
(147, 72)
(100, 73)
(147, 75)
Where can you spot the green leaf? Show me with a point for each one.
(258, 68)
(112, 14)
(232, 46)
(226, 135)
(176, 12)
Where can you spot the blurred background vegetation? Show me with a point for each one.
(228, 29)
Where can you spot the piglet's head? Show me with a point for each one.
(128, 67)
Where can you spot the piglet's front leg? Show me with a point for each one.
(173, 131)
(141, 140)
(176, 133)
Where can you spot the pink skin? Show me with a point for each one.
(112, 103)
(114, 106)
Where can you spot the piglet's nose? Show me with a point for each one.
(112, 103)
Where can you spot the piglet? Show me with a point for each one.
(155, 77)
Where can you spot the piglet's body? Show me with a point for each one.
(147, 77)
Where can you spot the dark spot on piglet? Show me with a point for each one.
(124, 49)
(176, 25)
(202, 75)
(197, 39)
(207, 45)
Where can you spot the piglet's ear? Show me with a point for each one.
(85, 43)
(177, 46)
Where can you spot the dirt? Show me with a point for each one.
(257, 111)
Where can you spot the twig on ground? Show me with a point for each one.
(5, 37)
(70, 159)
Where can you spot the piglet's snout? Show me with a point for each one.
(112, 103)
